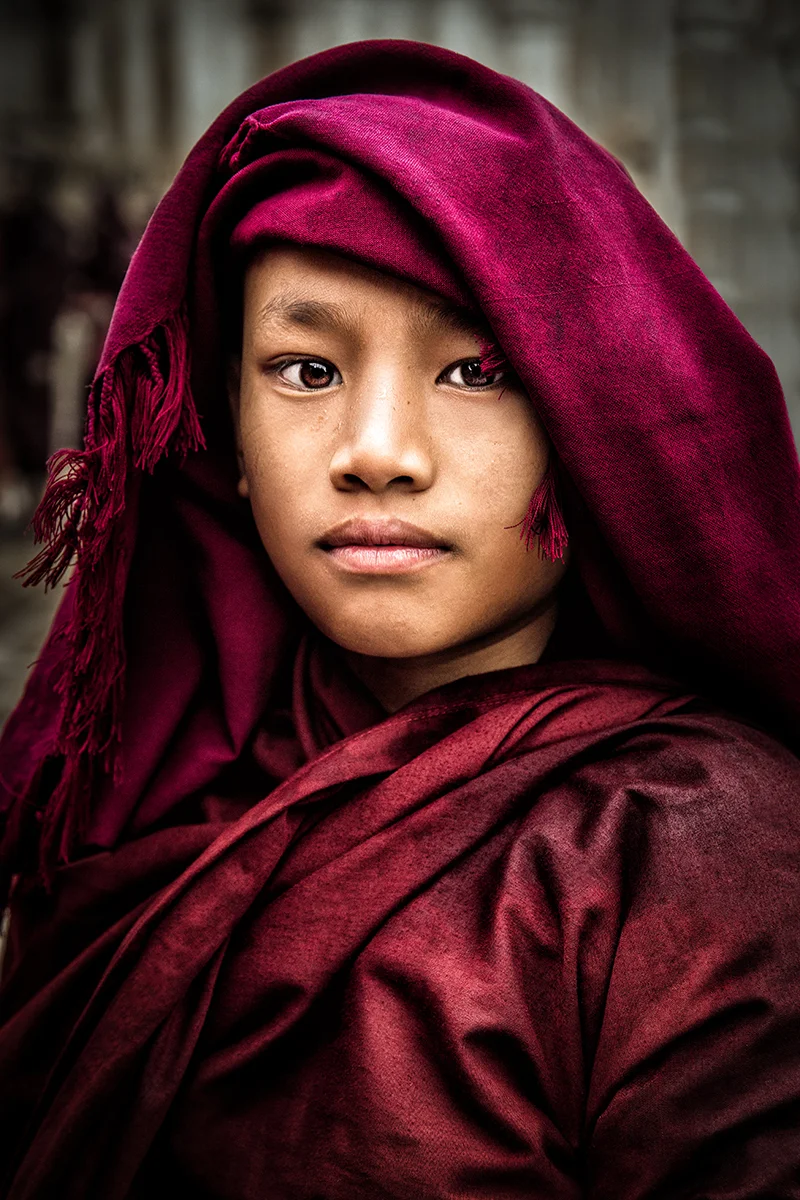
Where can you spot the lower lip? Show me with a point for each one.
(385, 560)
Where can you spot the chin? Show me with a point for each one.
(384, 639)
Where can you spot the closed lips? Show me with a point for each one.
(359, 532)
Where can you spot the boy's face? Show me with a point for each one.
(361, 412)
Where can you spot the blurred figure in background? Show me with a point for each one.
(109, 247)
(35, 269)
(104, 242)
(65, 241)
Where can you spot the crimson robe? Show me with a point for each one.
(506, 942)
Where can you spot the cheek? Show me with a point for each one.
(498, 477)
(281, 468)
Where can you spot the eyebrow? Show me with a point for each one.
(437, 315)
(309, 314)
(428, 316)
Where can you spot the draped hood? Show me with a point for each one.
(680, 474)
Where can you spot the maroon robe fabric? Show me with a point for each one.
(535, 934)
(506, 942)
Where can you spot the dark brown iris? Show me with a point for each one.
(315, 374)
(472, 374)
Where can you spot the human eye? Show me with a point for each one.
(307, 374)
(468, 373)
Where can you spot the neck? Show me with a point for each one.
(397, 681)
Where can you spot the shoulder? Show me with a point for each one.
(697, 1037)
(693, 808)
(696, 758)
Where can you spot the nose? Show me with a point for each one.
(384, 440)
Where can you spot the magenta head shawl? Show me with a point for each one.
(681, 475)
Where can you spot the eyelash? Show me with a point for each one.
(497, 376)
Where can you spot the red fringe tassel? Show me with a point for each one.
(544, 519)
(141, 409)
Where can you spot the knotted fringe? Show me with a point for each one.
(544, 519)
(140, 409)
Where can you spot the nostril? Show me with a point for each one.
(356, 481)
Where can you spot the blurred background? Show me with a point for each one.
(100, 100)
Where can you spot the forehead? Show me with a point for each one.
(302, 287)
